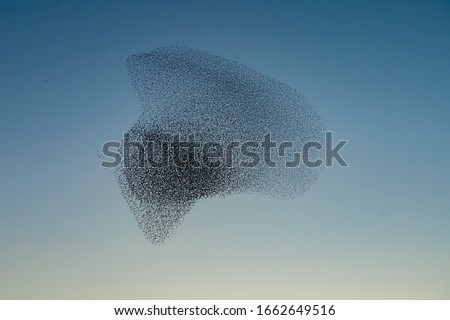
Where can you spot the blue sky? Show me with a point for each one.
(378, 73)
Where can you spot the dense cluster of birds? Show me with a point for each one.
(187, 91)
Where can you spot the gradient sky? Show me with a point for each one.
(378, 72)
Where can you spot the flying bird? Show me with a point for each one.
(49, 79)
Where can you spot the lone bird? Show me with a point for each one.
(49, 79)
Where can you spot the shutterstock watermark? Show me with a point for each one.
(188, 152)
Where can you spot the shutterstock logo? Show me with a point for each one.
(188, 152)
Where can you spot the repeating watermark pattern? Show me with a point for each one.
(188, 152)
